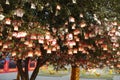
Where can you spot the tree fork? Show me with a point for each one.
(40, 62)
(20, 69)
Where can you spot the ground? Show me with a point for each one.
(12, 76)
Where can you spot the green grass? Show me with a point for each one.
(53, 73)
(50, 72)
(107, 77)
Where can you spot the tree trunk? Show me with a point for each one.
(20, 69)
(18, 76)
(75, 73)
(35, 73)
(40, 62)
(24, 74)
(26, 69)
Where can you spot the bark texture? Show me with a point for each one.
(23, 70)
(75, 73)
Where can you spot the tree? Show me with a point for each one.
(76, 32)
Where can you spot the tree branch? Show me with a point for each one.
(20, 68)
(26, 68)
(40, 62)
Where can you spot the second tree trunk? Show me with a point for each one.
(75, 73)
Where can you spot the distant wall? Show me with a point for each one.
(10, 66)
